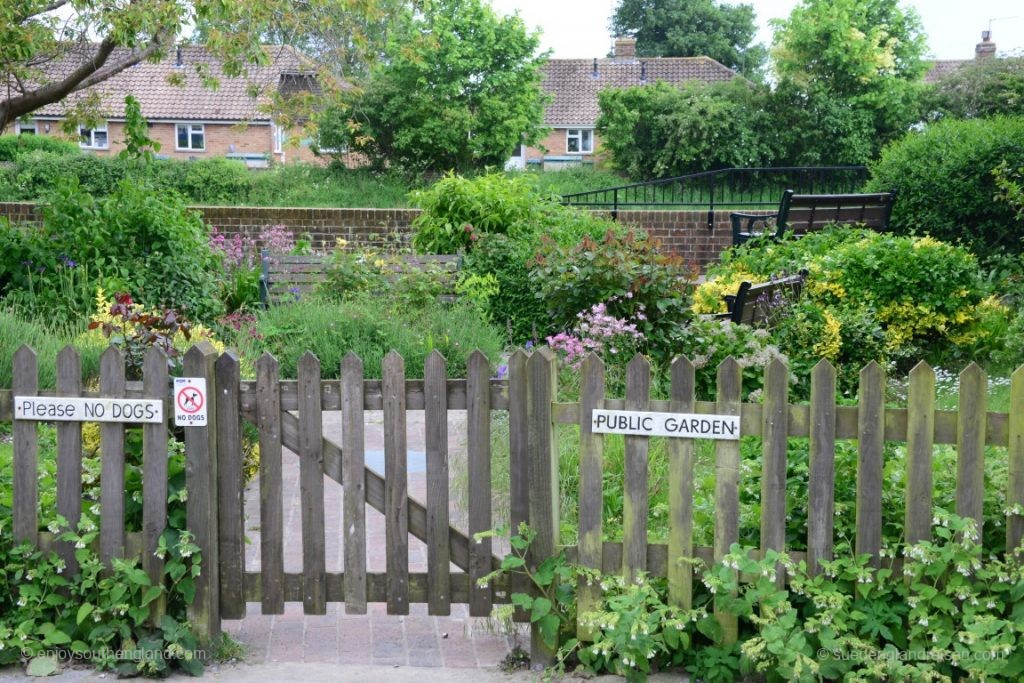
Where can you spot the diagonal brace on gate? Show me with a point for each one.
(458, 541)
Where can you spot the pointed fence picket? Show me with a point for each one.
(288, 414)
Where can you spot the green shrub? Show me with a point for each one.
(458, 210)
(14, 147)
(331, 330)
(205, 181)
(944, 182)
(16, 331)
(37, 174)
(662, 130)
(135, 240)
(871, 296)
(980, 88)
(629, 272)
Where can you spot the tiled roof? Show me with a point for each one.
(943, 67)
(150, 83)
(573, 87)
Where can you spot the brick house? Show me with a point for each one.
(573, 86)
(941, 68)
(189, 119)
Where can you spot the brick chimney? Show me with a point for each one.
(986, 48)
(625, 48)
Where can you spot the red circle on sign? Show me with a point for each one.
(190, 400)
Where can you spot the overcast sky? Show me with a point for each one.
(579, 28)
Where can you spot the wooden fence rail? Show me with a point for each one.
(288, 414)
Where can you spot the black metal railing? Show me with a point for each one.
(723, 188)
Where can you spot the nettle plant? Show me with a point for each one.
(950, 614)
(101, 615)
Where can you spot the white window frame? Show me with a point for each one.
(278, 134)
(192, 128)
(31, 127)
(578, 135)
(84, 131)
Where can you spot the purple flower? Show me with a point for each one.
(529, 345)
(502, 371)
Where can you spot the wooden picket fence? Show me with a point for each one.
(289, 415)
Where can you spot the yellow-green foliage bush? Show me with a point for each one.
(871, 296)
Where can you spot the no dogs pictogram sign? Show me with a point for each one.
(190, 401)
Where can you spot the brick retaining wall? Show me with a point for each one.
(682, 232)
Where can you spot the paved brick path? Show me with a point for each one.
(374, 638)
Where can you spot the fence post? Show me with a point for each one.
(201, 508)
(543, 457)
(1015, 481)
(25, 496)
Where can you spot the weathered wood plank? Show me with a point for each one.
(69, 454)
(635, 507)
(871, 421)
(727, 474)
(680, 491)
(396, 486)
(917, 521)
(25, 496)
(773, 474)
(591, 487)
(112, 381)
(311, 485)
(435, 372)
(822, 453)
(268, 420)
(154, 475)
(543, 457)
(1015, 454)
(377, 587)
(372, 399)
(201, 507)
(354, 483)
(970, 471)
(518, 467)
(231, 480)
(478, 457)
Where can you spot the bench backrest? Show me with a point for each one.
(757, 304)
(289, 277)
(803, 213)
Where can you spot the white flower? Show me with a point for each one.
(53, 527)
(22, 602)
(923, 621)
(79, 543)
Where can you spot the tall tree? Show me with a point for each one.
(866, 53)
(52, 48)
(692, 28)
(459, 88)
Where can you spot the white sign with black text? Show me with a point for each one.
(190, 401)
(685, 425)
(59, 409)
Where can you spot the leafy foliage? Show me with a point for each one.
(459, 89)
(979, 89)
(867, 53)
(14, 147)
(870, 296)
(663, 130)
(639, 283)
(945, 185)
(692, 28)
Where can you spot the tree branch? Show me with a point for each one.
(52, 92)
(55, 5)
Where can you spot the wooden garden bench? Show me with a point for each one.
(755, 304)
(804, 213)
(289, 277)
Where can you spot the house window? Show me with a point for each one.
(579, 141)
(26, 127)
(190, 137)
(279, 136)
(93, 138)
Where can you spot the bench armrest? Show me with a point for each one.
(739, 235)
